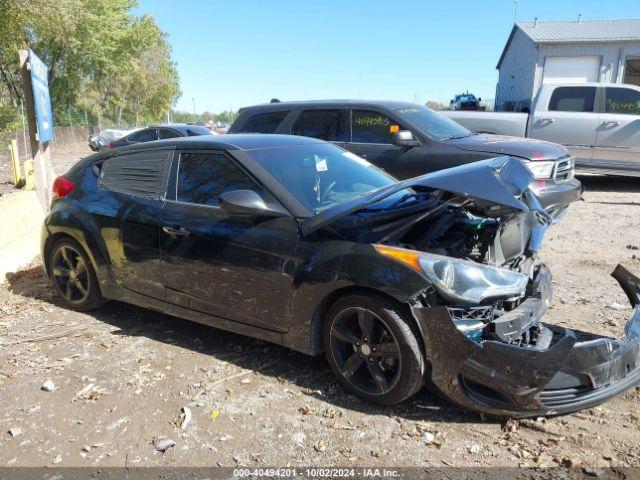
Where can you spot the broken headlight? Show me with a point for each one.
(470, 282)
(459, 280)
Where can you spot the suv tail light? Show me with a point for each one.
(62, 187)
(111, 146)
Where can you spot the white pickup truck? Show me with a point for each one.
(599, 124)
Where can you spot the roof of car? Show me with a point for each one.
(390, 104)
(248, 141)
(181, 127)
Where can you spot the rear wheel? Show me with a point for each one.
(73, 276)
(372, 349)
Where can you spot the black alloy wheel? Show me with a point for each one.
(73, 276)
(365, 350)
(373, 350)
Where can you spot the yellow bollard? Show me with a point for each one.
(29, 175)
(18, 179)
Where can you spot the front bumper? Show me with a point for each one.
(556, 197)
(576, 370)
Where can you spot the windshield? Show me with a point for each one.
(321, 175)
(436, 126)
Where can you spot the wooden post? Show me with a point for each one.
(40, 152)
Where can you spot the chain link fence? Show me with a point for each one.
(63, 136)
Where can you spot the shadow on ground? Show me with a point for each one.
(605, 183)
(311, 374)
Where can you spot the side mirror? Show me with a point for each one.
(404, 138)
(479, 99)
(247, 202)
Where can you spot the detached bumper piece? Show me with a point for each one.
(563, 372)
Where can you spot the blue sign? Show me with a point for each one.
(41, 99)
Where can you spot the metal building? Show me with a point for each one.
(606, 51)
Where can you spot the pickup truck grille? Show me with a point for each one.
(564, 170)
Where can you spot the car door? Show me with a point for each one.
(570, 119)
(328, 124)
(618, 133)
(235, 266)
(126, 207)
(371, 138)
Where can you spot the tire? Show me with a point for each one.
(73, 276)
(358, 361)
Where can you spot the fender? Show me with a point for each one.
(344, 266)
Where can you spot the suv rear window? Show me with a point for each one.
(140, 174)
(264, 122)
(572, 99)
(322, 124)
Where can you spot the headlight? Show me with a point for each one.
(460, 280)
(541, 169)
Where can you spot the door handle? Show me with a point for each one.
(613, 124)
(546, 120)
(176, 231)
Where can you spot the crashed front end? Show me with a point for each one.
(525, 367)
(474, 233)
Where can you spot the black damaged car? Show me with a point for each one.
(434, 280)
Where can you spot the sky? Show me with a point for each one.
(234, 53)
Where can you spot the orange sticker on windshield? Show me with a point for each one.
(394, 128)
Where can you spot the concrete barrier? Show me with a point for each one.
(21, 217)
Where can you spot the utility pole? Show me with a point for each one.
(194, 108)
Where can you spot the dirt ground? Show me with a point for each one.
(122, 375)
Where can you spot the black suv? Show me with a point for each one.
(408, 140)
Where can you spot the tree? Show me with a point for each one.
(102, 58)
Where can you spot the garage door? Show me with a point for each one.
(571, 69)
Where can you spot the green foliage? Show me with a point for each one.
(103, 59)
(225, 117)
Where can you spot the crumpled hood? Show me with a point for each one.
(503, 181)
(527, 148)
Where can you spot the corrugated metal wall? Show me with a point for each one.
(515, 78)
(525, 62)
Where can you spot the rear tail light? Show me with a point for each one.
(62, 187)
(111, 147)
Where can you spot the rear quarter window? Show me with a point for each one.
(141, 174)
(263, 122)
(572, 99)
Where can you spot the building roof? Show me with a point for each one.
(589, 31)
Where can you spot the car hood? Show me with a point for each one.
(501, 181)
(516, 146)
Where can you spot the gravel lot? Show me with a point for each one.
(122, 375)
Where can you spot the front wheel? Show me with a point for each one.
(73, 276)
(372, 349)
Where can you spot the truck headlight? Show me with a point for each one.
(460, 280)
(543, 170)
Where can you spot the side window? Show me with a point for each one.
(322, 124)
(372, 127)
(202, 177)
(572, 99)
(140, 174)
(263, 122)
(622, 100)
(167, 133)
(146, 135)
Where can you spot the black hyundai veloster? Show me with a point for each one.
(434, 280)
